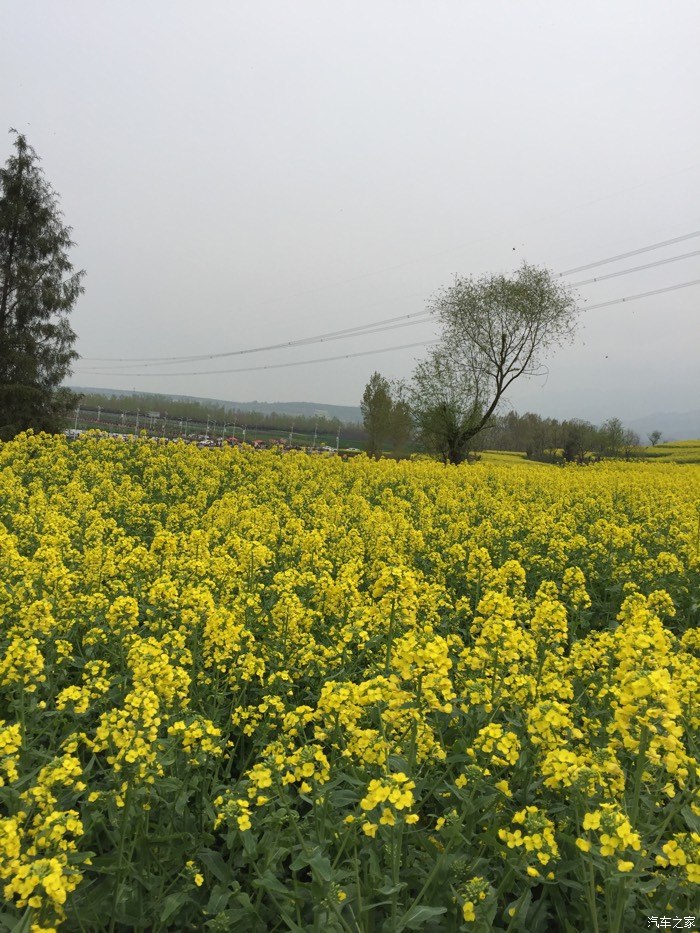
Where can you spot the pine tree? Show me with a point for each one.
(38, 289)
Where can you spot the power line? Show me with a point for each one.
(444, 252)
(405, 346)
(656, 291)
(250, 369)
(392, 323)
(632, 252)
(482, 239)
(647, 265)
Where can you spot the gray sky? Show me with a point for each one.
(244, 173)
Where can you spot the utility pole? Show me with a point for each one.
(136, 429)
(206, 435)
(165, 423)
(223, 432)
(291, 435)
(99, 413)
(315, 430)
(337, 441)
(77, 415)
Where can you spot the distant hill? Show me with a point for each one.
(349, 414)
(674, 426)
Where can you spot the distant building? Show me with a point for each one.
(153, 414)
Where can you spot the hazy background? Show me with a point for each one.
(244, 173)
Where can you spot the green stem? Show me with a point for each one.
(591, 897)
(428, 881)
(638, 772)
(390, 638)
(358, 885)
(396, 847)
(608, 904)
(304, 849)
(120, 855)
(619, 907)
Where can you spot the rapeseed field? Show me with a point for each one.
(261, 691)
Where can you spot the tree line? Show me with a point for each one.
(391, 424)
(199, 412)
(573, 440)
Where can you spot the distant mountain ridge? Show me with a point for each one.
(349, 414)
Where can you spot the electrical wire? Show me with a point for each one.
(632, 252)
(405, 346)
(373, 327)
(647, 265)
(656, 291)
(359, 331)
(250, 369)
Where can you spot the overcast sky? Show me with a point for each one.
(243, 173)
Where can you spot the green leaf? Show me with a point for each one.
(418, 916)
(301, 861)
(390, 888)
(651, 884)
(692, 821)
(7, 921)
(218, 899)
(250, 845)
(520, 906)
(216, 865)
(243, 899)
(172, 903)
(321, 866)
(343, 797)
(268, 882)
(231, 918)
(22, 925)
(367, 907)
(397, 763)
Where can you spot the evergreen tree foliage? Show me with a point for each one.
(38, 289)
